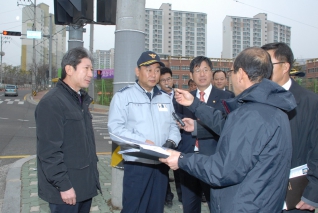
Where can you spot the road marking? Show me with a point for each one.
(110, 142)
(10, 102)
(1, 102)
(22, 120)
(4, 118)
(21, 102)
(16, 99)
(103, 134)
(106, 138)
(32, 127)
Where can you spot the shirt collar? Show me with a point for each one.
(287, 85)
(207, 92)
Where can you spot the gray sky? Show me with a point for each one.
(301, 16)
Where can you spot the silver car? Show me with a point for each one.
(11, 90)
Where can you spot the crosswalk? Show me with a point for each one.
(11, 101)
(100, 127)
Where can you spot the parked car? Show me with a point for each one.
(11, 90)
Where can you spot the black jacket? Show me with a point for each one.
(207, 146)
(66, 152)
(250, 169)
(304, 130)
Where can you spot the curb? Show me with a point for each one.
(12, 194)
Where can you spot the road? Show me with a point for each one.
(18, 132)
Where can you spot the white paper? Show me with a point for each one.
(127, 141)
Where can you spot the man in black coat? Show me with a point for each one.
(191, 187)
(66, 153)
(303, 122)
(220, 80)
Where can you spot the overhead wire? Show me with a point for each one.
(276, 14)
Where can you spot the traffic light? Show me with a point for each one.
(11, 33)
(99, 74)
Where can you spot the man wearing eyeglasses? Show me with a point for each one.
(303, 123)
(250, 168)
(191, 187)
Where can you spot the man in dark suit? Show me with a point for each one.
(303, 123)
(166, 85)
(220, 80)
(191, 187)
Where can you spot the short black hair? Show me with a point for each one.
(164, 70)
(190, 81)
(256, 63)
(197, 62)
(216, 71)
(282, 52)
(73, 57)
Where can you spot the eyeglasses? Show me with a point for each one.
(281, 62)
(165, 80)
(203, 70)
(229, 72)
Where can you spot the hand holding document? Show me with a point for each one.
(140, 149)
(296, 185)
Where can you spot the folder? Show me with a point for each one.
(140, 149)
(296, 186)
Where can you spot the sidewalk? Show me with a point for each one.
(21, 194)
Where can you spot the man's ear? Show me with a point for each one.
(286, 67)
(69, 69)
(191, 75)
(137, 71)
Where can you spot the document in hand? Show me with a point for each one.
(140, 149)
(296, 186)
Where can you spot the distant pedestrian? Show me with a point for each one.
(66, 154)
(220, 80)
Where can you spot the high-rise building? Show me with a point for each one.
(41, 45)
(242, 32)
(177, 33)
(104, 59)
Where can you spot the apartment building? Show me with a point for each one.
(41, 45)
(242, 32)
(177, 33)
(104, 59)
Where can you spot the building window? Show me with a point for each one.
(185, 68)
(175, 76)
(185, 86)
(185, 77)
(175, 68)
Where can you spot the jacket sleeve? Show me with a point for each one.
(49, 130)
(236, 155)
(310, 194)
(117, 118)
(208, 116)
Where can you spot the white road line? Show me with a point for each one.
(7, 99)
(4, 118)
(10, 102)
(99, 128)
(32, 127)
(106, 138)
(22, 120)
(1, 102)
(21, 102)
(16, 99)
(110, 142)
(103, 134)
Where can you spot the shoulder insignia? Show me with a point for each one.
(123, 89)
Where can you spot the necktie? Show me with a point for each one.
(149, 95)
(201, 99)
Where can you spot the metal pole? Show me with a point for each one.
(50, 53)
(129, 44)
(1, 61)
(91, 91)
(34, 55)
(75, 36)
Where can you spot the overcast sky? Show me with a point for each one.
(301, 16)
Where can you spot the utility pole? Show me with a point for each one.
(2, 54)
(129, 44)
(50, 53)
(91, 49)
(34, 54)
